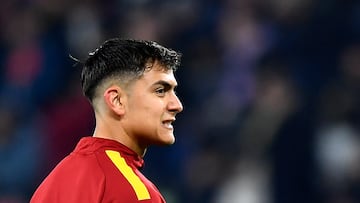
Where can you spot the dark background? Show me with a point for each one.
(270, 92)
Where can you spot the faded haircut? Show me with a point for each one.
(123, 59)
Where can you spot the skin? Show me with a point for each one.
(141, 114)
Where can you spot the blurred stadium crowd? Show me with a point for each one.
(270, 92)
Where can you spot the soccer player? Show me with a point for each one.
(131, 87)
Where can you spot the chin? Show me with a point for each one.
(169, 140)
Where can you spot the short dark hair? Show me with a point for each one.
(123, 58)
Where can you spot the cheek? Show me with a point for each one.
(146, 108)
(146, 113)
(151, 106)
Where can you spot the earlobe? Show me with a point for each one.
(114, 100)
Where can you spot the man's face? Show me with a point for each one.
(151, 108)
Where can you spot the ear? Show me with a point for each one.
(114, 98)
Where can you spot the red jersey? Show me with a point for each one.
(98, 170)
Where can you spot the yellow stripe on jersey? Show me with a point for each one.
(140, 189)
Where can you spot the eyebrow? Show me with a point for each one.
(165, 84)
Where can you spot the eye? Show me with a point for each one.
(160, 91)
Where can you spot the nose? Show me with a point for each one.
(175, 104)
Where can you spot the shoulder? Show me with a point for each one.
(80, 166)
(66, 182)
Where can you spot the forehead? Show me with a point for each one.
(158, 73)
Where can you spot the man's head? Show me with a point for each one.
(123, 60)
(131, 85)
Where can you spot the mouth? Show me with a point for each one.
(168, 124)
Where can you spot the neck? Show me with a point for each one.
(110, 130)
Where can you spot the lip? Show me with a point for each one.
(168, 123)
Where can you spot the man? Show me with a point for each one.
(131, 86)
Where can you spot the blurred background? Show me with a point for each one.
(270, 92)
